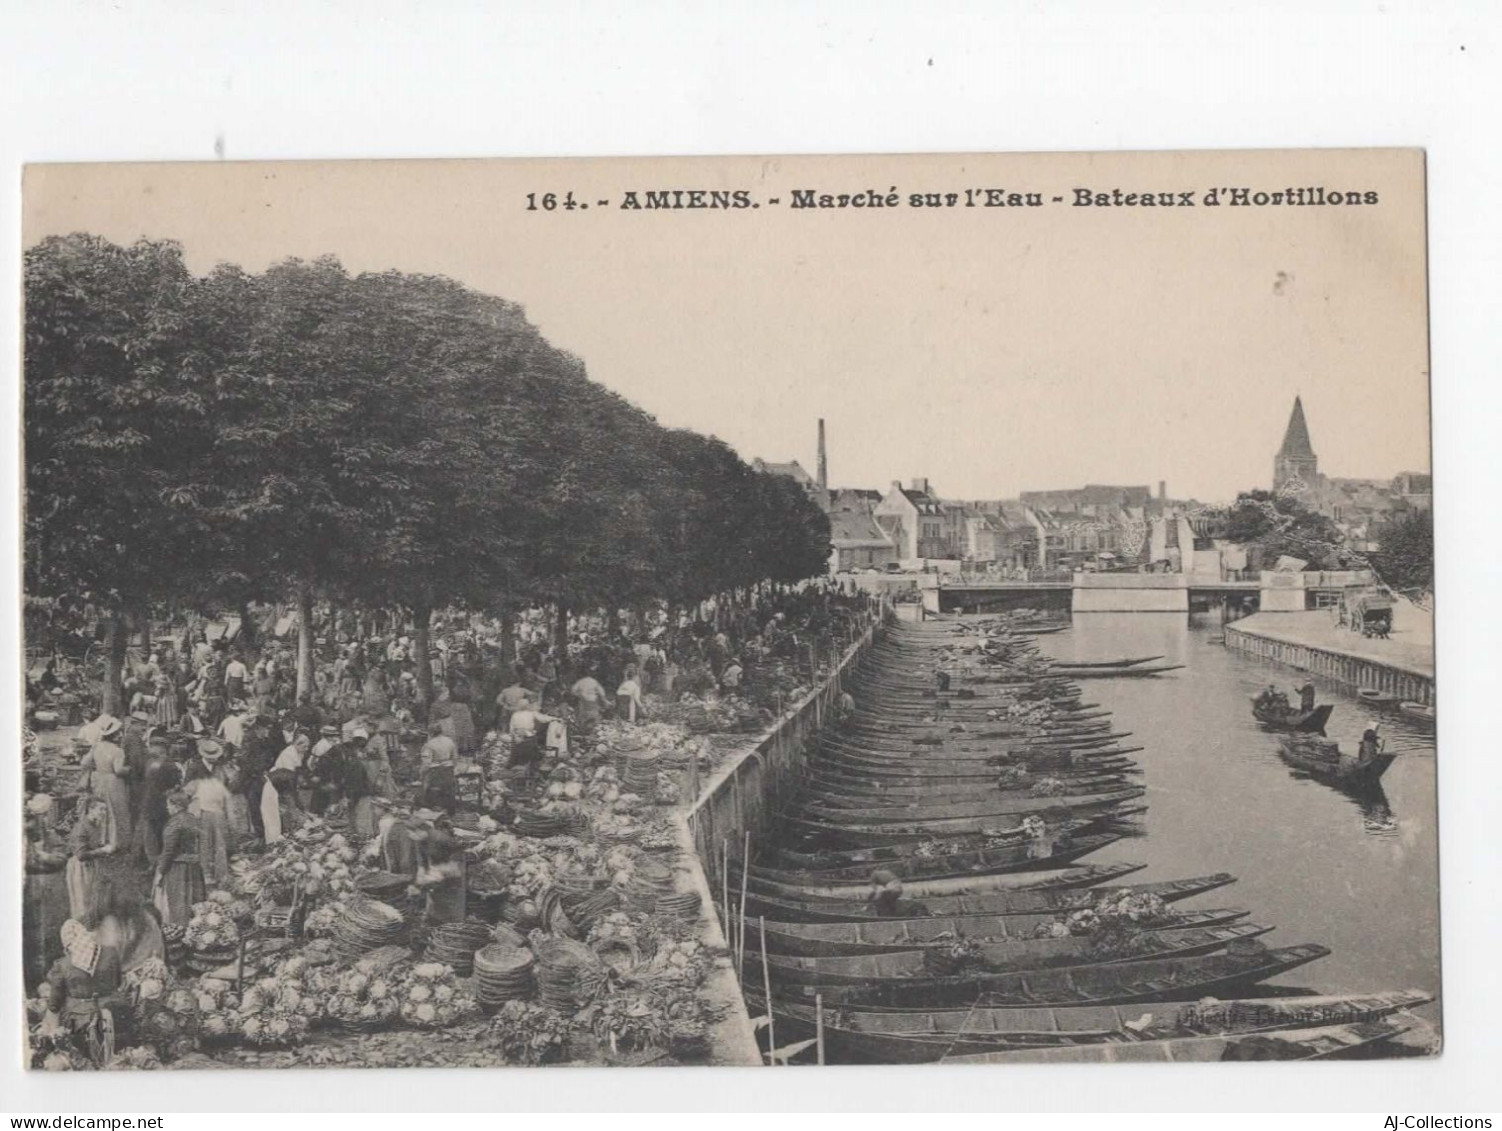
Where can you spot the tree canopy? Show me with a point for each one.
(1405, 557)
(379, 439)
(1282, 525)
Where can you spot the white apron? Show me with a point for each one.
(271, 812)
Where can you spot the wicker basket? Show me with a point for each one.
(568, 972)
(503, 973)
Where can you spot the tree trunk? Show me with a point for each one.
(247, 638)
(112, 701)
(508, 635)
(613, 621)
(560, 629)
(304, 642)
(422, 620)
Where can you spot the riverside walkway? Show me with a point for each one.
(1313, 642)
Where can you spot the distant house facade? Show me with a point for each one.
(919, 523)
(857, 541)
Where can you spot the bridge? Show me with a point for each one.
(1086, 591)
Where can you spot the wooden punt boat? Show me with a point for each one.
(832, 770)
(1077, 875)
(947, 762)
(910, 968)
(1123, 673)
(882, 936)
(1024, 856)
(1377, 698)
(1323, 760)
(880, 777)
(957, 747)
(1334, 1041)
(1126, 663)
(1051, 901)
(842, 797)
(1002, 805)
(960, 747)
(843, 793)
(1165, 979)
(1420, 712)
(1306, 722)
(819, 859)
(860, 1036)
(823, 833)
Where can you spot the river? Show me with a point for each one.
(1361, 879)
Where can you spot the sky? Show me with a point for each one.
(990, 350)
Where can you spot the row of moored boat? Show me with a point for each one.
(926, 894)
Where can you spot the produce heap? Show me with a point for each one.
(304, 997)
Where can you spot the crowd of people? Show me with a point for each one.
(217, 756)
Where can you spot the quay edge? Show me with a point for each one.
(737, 799)
(1350, 668)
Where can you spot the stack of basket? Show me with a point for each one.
(639, 771)
(454, 945)
(684, 905)
(503, 973)
(366, 925)
(532, 822)
(176, 944)
(650, 881)
(568, 973)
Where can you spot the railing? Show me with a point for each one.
(1005, 577)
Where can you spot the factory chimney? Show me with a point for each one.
(823, 459)
(1162, 490)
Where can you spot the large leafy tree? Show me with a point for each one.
(1405, 557)
(379, 440)
(1282, 525)
(116, 427)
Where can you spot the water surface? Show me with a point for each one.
(1359, 876)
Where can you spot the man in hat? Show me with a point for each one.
(133, 742)
(528, 729)
(161, 777)
(232, 729)
(509, 701)
(440, 873)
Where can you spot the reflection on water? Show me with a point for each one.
(1356, 870)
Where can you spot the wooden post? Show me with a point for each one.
(766, 986)
(818, 1026)
(725, 892)
(745, 874)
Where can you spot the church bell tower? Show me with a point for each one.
(1295, 464)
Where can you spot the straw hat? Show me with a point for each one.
(40, 805)
(210, 751)
(110, 726)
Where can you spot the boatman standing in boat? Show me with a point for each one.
(1371, 741)
(1306, 698)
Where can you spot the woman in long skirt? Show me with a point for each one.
(179, 873)
(166, 702)
(90, 841)
(210, 805)
(45, 905)
(105, 771)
